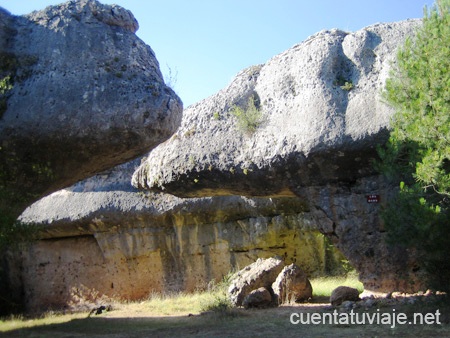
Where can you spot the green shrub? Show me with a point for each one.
(218, 301)
(348, 85)
(343, 83)
(5, 87)
(248, 119)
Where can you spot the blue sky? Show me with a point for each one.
(204, 43)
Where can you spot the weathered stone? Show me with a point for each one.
(369, 303)
(259, 298)
(261, 273)
(86, 94)
(316, 141)
(313, 131)
(144, 242)
(342, 294)
(292, 285)
(318, 168)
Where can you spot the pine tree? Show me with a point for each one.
(417, 154)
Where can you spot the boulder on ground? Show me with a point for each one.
(262, 273)
(342, 294)
(292, 285)
(259, 298)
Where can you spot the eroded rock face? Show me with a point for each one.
(85, 94)
(144, 242)
(310, 159)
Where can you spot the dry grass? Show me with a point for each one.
(21, 322)
(175, 304)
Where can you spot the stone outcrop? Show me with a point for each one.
(82, 93)
(292, 285)
(322, 117)
(144, 242)
(314, 130)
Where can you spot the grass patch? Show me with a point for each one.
(157, 305)
(175, 304)
(21, 322)
(323, 286)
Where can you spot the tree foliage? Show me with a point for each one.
(417, 154)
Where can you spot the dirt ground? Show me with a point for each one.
(270, 322)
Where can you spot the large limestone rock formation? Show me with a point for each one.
(322, 117)
(314, 129)
(309, 160)
(104, 235)
(81, 93)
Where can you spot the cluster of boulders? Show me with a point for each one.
(268, 282)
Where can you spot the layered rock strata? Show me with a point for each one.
(104, 235)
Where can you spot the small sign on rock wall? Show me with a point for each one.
(373, 198)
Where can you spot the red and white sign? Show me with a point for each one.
(373, 198)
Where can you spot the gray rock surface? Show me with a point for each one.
(86, 94)
(313, 131)
(322, 118)
(109, 198)
(261, 273)
(312, 151)
(259, 298)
